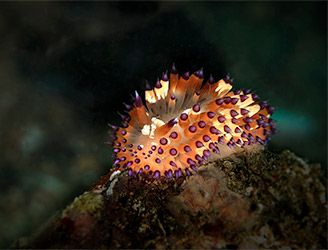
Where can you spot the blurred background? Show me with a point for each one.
(66, 68)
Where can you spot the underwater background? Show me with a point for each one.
(66, 68)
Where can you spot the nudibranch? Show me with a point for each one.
(187, 121)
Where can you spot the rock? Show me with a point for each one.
(252, 200)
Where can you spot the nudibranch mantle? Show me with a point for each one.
(186, 122)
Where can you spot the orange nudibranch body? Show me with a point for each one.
(186, 122)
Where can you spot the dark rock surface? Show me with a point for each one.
(252, 200)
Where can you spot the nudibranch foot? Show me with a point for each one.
(186, 122)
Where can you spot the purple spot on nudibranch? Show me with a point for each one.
(237, 130)
(206, 138)
(116, 161)
(160, 150)
(174, 70)
(196, 108)
(221, 139)
(216, 150)
(158, 161)
(244, 135)
(214, 130)
(165, 77)
(227, 99)
(172, 163)
(193, 167)
(247, 91)
(148, 87)
(237, 92)
(129, 163)
(260, 122)
(172, 122)
(244, 111)
(157, 174)
(227, 129)
(211, 79)
(199, 158)
(265, 125)
(207, 153)
(114, 128)
(173, 151)
(251, 137)
(169, 174)
(191, 162)
(255, 97)
(174, 135)
(201, 124)
(187, 149)
(192, 129)
(163, 141)
(211, 145)
(263, 104)
(231, 145)
(205, 158)
(179, 172)
(137, 100)
(243, 98)
(124, 117)
(210, 114)
(248, 120)
(147, 167)
(186, 75)
(234, 100)
(233, 113)
(270, 109)
(234, 120)
(199, 144)
(153, 147)
(258, 139)
(221, 119)
(266, 132)
(158, 84)
(125, 124)
(188, 173)
(219, 101)
(183, 116)
(199, 73)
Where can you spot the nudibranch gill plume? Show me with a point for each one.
(188, 121)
